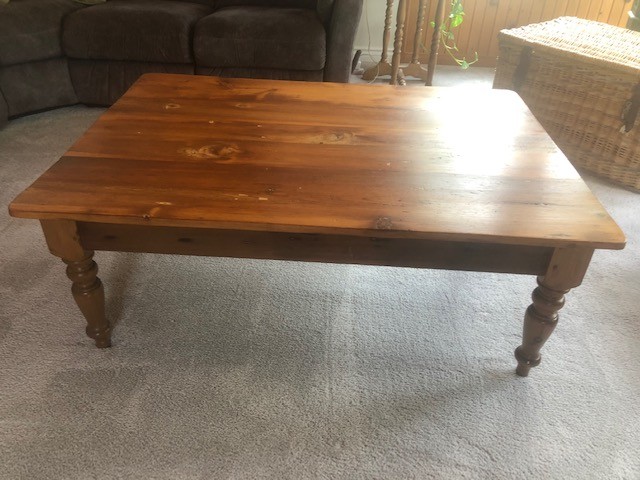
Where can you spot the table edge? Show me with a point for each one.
(17, 212)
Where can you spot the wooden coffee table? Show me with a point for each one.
(374, 175)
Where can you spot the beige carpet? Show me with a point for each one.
(239, 369)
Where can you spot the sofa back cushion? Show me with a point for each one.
(323, 7)
(261, 37)
(208, 3)
(133, 30)
(30, 29)
(311, 4)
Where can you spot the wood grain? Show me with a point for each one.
(324, 173)
(398, 252)
(323, 158)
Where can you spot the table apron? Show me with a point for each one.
(416, 253)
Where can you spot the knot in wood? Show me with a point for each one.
(219, 152)
(384, 223)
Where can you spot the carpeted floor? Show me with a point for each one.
(239, 369)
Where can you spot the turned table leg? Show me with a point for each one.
(565, 271)
(88, 292)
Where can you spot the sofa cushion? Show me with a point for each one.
(29, 87)
(267, 73)
(137, 30)
(4, 110)
(261, 37)
(30, 29)
(102, 82)
(268, 3)
(208, 3)
(323, 7)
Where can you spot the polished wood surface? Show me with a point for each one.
(327, 173)
(323, 158)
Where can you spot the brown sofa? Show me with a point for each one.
(33, 69)
(59, 52)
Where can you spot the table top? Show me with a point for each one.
(383, 161)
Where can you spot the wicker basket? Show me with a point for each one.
(581, 79)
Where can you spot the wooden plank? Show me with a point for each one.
(552, 8)
(513, 13)
(500, 23)
(488, 31)
(572, 7)
(607, 9)
(524, 15)
(261, 155)
(595, 10)
(583, 8)
(618, 14)
(317, 248)
(478, 28)
(535, 15)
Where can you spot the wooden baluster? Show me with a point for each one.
(383, 67)
(397, 45)
(415, 69)
(565, 271)
(435, 43)
(88, 292)
(386, 36)
(539, 322)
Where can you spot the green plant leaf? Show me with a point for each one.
(453, 20)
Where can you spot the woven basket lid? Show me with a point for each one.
(593, 41)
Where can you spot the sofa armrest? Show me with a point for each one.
(341, 33)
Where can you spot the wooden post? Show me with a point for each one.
(383, 67)
(565, 271)
(397, 45)
(88, 292)
(435, 43)
(415, 69)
